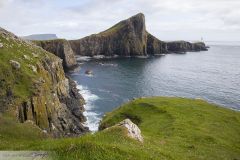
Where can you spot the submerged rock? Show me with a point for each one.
(1, 45)
(88, 72)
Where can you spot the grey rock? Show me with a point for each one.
(26, 57)
(133, 130)
(34, 69)
(1, 45)
(15, 64)
(34, 55)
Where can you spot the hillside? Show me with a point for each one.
(34, 88)
(172, 128)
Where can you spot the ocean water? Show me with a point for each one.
(212, 75)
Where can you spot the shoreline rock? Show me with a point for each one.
(132, 129)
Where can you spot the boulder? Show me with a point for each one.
(15, 64)
(133, 130)
(34, 69)
(26, 57)
(34, 55)
(1, 45)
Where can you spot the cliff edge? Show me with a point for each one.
(33, 87)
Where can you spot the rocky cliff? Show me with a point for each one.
(129, 38)
(62, 49)
(33, 87)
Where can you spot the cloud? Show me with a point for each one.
(172, 19)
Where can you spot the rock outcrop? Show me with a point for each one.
(38, 91)
(62, 49)
(132, 129)
(183, 46)
(129, 38)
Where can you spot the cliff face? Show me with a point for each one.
(129, 38)
(62, 49)
(183, 46)
(155, 46)
(33, 87)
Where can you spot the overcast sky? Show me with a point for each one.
(166, 19)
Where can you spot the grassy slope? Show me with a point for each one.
(20, 81)
(173, 128)
(14, 135)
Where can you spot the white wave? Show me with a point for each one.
(83, 58)
(142, 56)
(92, 120)
(92, 117)
(108, 64)
(99, 57)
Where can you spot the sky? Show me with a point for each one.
(214, 20)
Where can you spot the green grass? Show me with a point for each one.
(173, 128)
(112, 30)
(20, 82)
(16, 136)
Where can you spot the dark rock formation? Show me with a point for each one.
(155, 46)
(129, 38)
(62, 49)
(183, 46)
(39, 91)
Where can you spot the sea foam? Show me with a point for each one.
(92, 117)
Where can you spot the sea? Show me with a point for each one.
(212, 75)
